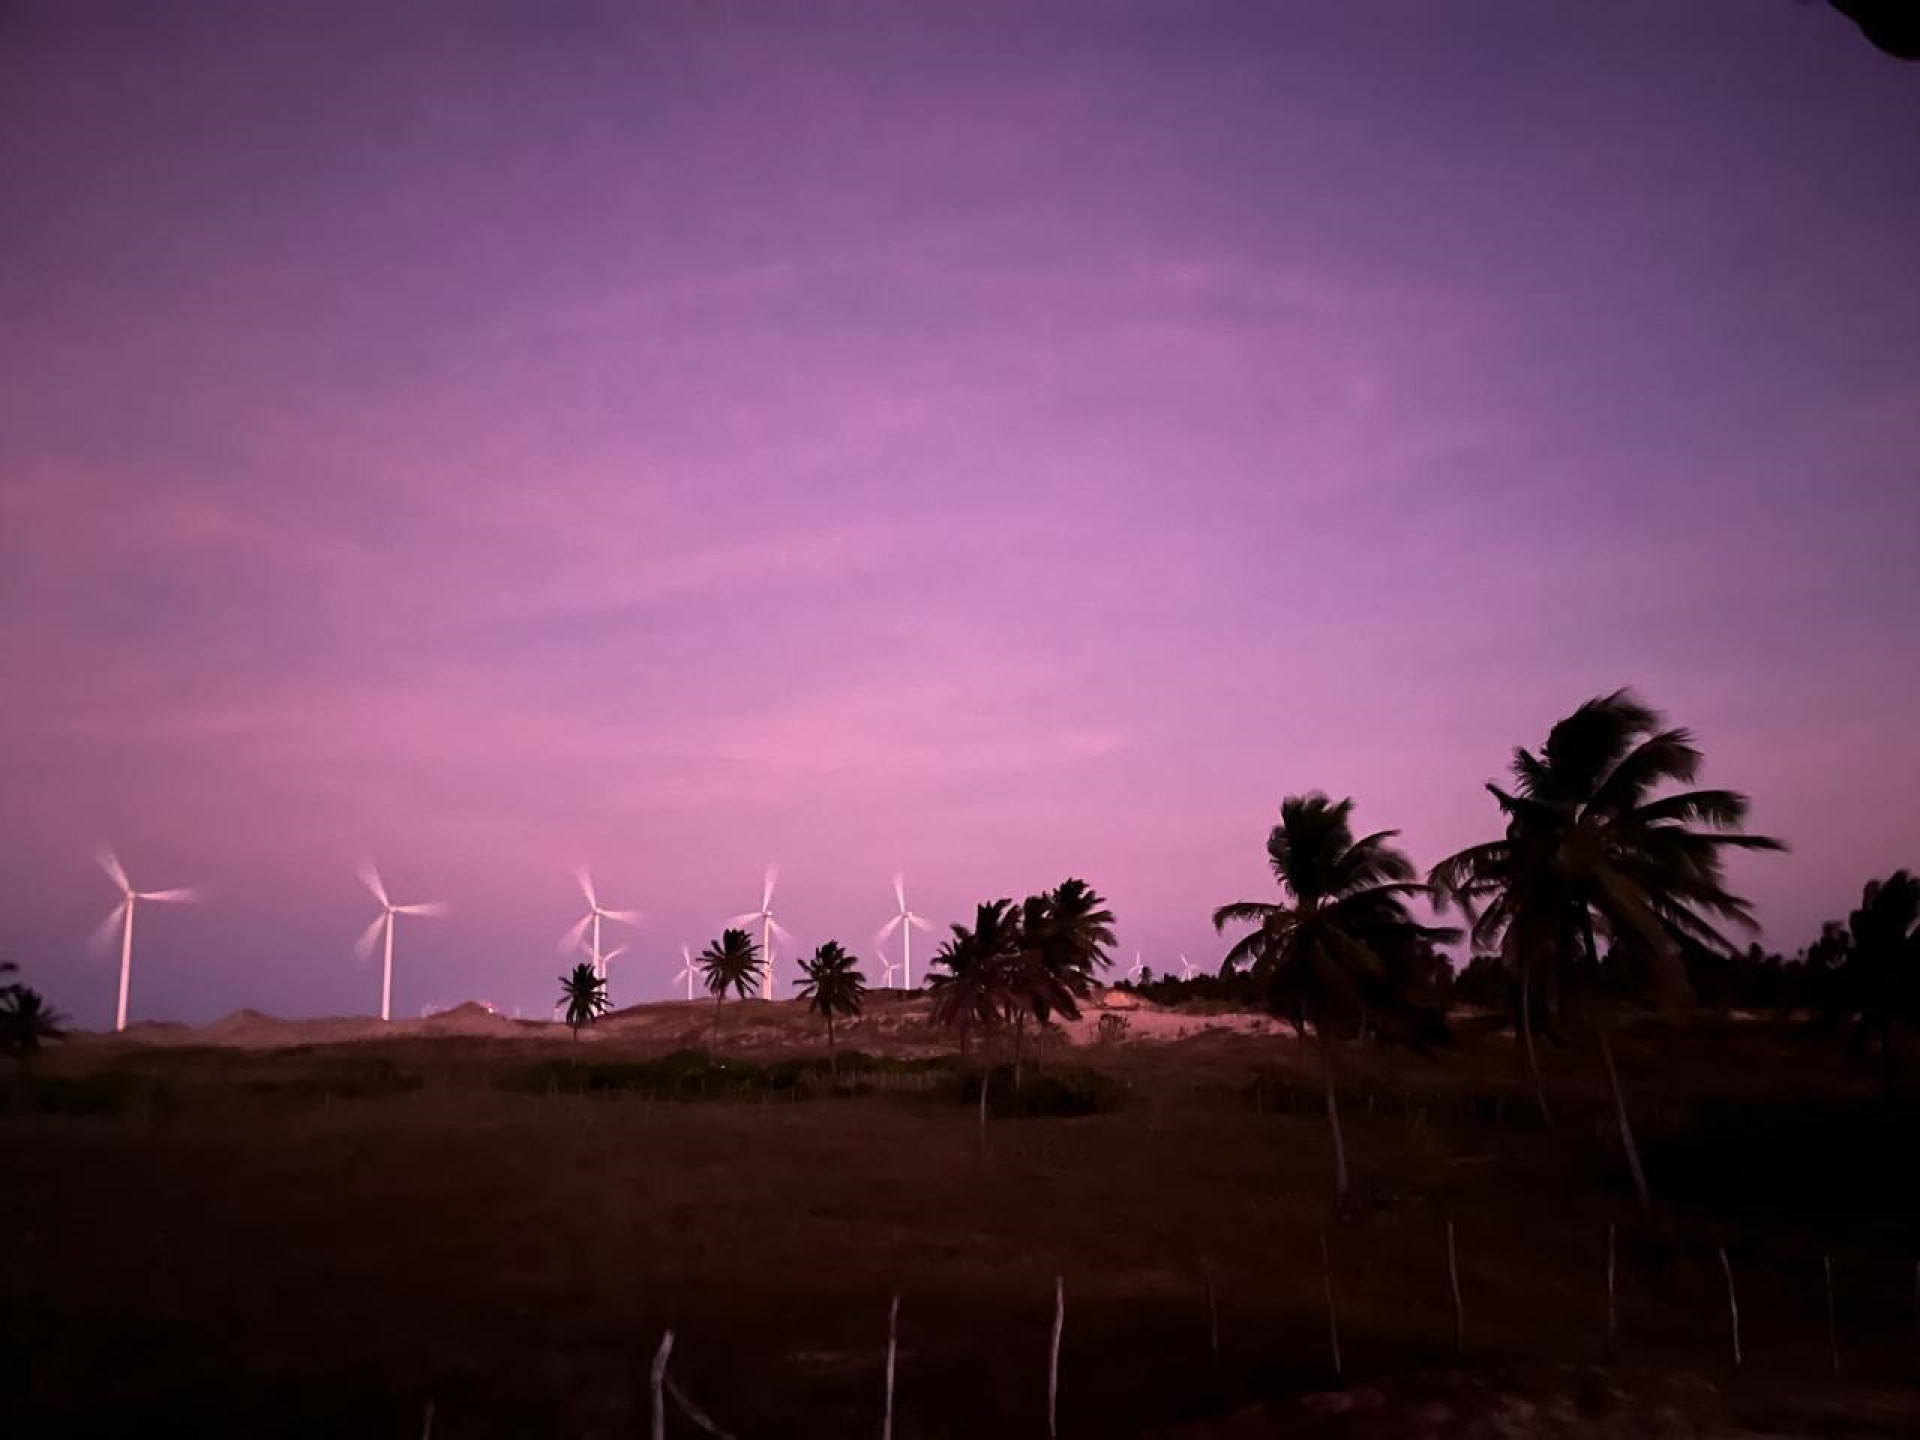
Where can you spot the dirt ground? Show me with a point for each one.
(230, 1232)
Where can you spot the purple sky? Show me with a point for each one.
(998, 443)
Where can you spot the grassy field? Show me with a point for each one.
(322, 1240)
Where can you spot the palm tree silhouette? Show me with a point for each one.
(832, 984)
(730, 963)
(969, 980)
(1875, 979)
(1346, 905)
(585, 996)
(1070, 931)
(1589, 843)
(26, 1020)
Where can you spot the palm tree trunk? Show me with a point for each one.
(833, 1060)
(1333, 1116)
(1019, 1029)
(1613, 1074)
(714, 1040)
(1889, 1062)
(1526, 1037)
(1620, 1114)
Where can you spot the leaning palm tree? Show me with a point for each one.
(1591, 846)
(1875, 980)
(730, 963)
(832, 985)
(1344, 906)
(585, 995)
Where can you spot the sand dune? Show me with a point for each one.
(894, 1019)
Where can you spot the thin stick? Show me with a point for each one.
(1833, 1333)
(1053, 1363)
(426, 1426)
(694, 1413)
(1733, 1305)
(1613, 1314)
(1213, 1313)
(1333, 1318)
(1459, 1310)
(893, 1332)
(985, 1075)
(659, 1376)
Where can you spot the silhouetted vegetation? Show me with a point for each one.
(584, 994)
(1341, 938)
(730, 963)
(699, 1074)
(831, 984)
(1591, 846)
(26, 1020)
(1873, 974)
(1056, 1091)
(1037, 961)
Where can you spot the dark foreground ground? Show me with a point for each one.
(255, 1244)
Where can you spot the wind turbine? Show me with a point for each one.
(591, 920)
(686, 970)
(1136, 970)
(606, 960)
(887, 971)
(906, 922)
(370, 877)
(1186, 968)
(122, 915)
(770, 930)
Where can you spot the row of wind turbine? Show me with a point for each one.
(586, 930)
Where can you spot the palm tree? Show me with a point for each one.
(1589, 844)
(969, 978)
(1345, 906)
(1875, 985)
(585, 996)
(26, 1019)
(833, 985)
(730, 963)
(1070, 930)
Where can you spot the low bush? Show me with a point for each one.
(360, 1078)
(108, 1093)
(1055, 1091)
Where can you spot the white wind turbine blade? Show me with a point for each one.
(900, 891)
(766, 895)
(625, 917)
(778, 929)
(109, 930)
(171, 897)
(886, 931)
(370, 878)
(586, 886)
(751, 917)
(571, 941)
(428, 907)
(116, 872)
(613, 954)
(919, 923)
(363, 947)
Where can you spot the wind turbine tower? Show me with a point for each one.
(591, 922)
(906, 922)
(770, 930)
(383, 922)
(122, 916)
